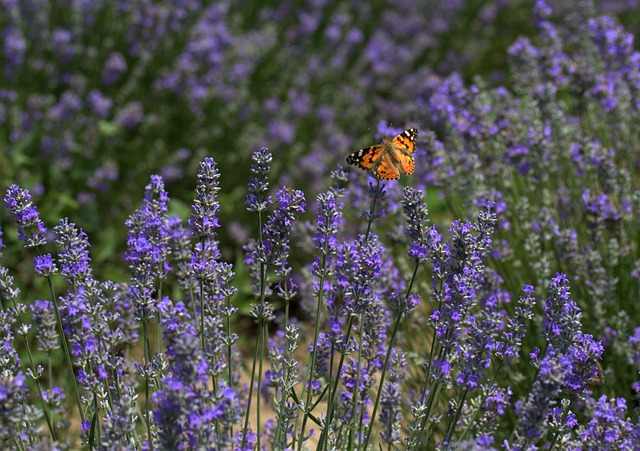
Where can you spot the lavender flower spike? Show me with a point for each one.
(31, 229)
(257, 200)
(204, 219)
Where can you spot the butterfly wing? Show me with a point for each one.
(404, 145)
(386, 168)
(366, 158)
(406, 141)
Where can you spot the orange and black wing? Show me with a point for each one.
(366, 158)
(404, 145)
(386, 168)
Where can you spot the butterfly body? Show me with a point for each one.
(390, 158)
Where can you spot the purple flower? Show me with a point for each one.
(508, 347)
(329, 216)
(147, 251)
(274, 249)
(44, 322)
(130, 115)
(114, 67)
(204, 219)
(99, 104)
(31, 229)
(390, 413)
(415, 208)
(562, 316)
(74, 257)
(609, 427)
(44, 266)
(257, 199)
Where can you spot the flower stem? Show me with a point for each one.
(312, 364)
(387, 357)
(65, 346)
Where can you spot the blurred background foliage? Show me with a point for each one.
(97, 96)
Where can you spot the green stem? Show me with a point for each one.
(65, 347)
(356, 389)
(147, 357)
(262, 333)
(565, 412)
(387, 358)
(334, 390)
(159, 322)
(312, 364)
(452, 425)
(372, 211)
(524, 404)
(433, 396)
(484, 398)
(253, 374)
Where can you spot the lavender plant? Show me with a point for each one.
(188, 390)
(508, 321)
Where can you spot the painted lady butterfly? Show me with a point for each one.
(387, 159)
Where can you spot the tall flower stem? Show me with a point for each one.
(332, 392)
(454, 421)
(372, 209)
(356, 390)
(45, 408)
(481, 403)
(387, 358)
(65, 346)
(147, 358)
(312, 363)
(257, 349)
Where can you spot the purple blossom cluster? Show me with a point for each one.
(188, 376)
(496, 311)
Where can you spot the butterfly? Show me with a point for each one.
(387, 159)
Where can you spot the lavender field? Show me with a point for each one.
(188, 262)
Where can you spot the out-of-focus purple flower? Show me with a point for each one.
(66, 107)
(130, 115)
(390, 413)
(44, 321)
(114, 68)
(14, 49)
(13, 402)
(120, 419)
(31, 229)
(103, 176)
(99, 104)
